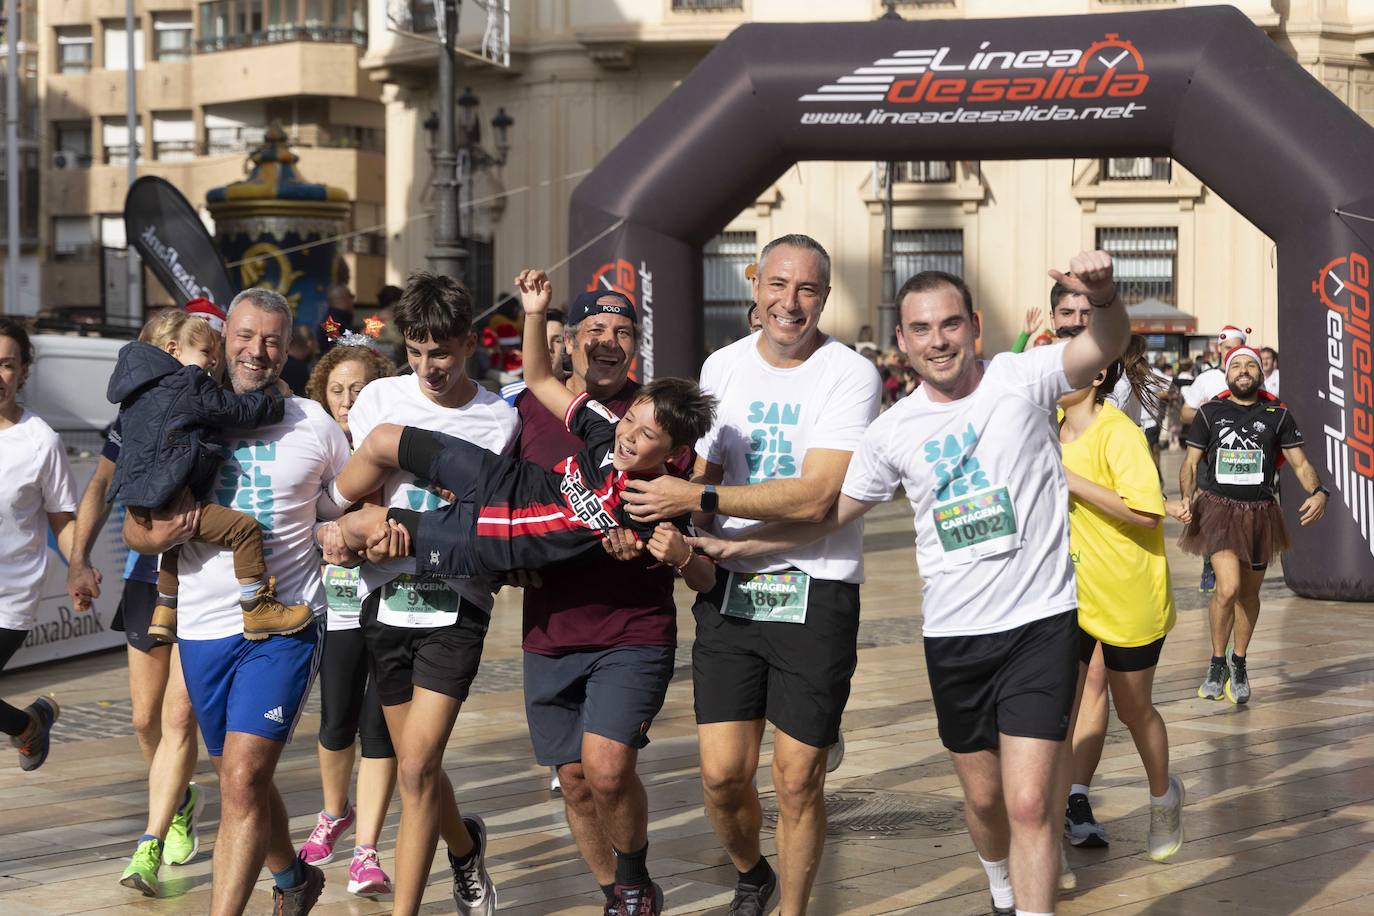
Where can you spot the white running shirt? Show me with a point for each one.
(35, 479)
(486, 420)
(280, 475)
(973, 460)
(766, 420)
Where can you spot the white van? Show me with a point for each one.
(66, 386)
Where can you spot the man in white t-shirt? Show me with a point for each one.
(975, 450)
(777, 637)
(1211, 382)
(425, 636)
(248, 694)
(1269, 362)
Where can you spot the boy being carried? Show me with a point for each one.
(169, 406)
(509, 515)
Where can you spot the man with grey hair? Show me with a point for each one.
(247, 695)
(777, 638)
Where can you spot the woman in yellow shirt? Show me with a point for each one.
(1125, 598)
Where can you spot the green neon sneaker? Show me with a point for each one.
(183, 840)
(141, 874)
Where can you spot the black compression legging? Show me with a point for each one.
(349, 705)
(13, 721)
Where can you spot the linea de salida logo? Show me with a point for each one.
(1342, 289)
(1109, 71)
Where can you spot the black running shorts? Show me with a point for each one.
(135, 612)
(1019, 682)
(441, 659)
(796, 675)
(1120, 658)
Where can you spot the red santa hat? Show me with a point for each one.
(1241, 350)
(507, 334)
(1232, 336)
(201, 307)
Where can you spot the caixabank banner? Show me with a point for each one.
(1202, 85)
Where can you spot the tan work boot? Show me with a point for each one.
(163, 626)
(265, 616)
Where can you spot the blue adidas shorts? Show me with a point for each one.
(253, 686)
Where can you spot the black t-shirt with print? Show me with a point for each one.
(1241, 446)
(529, 518)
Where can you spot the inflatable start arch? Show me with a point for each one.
(1203, 86)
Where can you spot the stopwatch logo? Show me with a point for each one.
(1111, 53)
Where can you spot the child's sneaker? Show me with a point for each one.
(365, 875)
(319, 847)
(264, 615)
(163, 626)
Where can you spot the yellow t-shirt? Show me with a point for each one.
(1124, 594)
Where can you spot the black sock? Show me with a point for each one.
(757, 876)
(468, 859)
(631, 869)
(609, 891)
(13, 720)
(1218, 659)
(1238, 660)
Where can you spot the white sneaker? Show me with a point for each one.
(473, 892)
(555, 787)
(835, 756)
(1166, 824)
(1067, 879)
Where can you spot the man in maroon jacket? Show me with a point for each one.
(599, 636)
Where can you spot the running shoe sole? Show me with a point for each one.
(369, 888)
(137, 883)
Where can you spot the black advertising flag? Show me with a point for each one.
(167, 233)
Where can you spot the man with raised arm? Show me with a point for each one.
(976, 452)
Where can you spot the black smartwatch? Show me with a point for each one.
(709, 499)
(1322, 490)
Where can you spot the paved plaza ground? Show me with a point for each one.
(1280, 813)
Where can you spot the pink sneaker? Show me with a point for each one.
(319, 847)
(365, 875)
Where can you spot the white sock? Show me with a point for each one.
(1168, 798)
(1021, 912)
(999, 881)
(1077, 789)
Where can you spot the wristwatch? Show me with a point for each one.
(709, 499)
(1322, 490)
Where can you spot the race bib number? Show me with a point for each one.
(1240, 466)
(341, 590)
(982, 524)
(417, 603)
(772, 597)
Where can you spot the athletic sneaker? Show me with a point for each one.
(1002, 910)
(1166, 824)
(141, 872)
(1080, 827)
(33, 749)
(299, 900)
(264, 615)
(753, 900)
(835, 756)
(1214, 687)
(319, 846)
(1067, 879)
(183, 840)
(1208, 583)
(637, 900)
(473, 891)
(555, 787)
(365, 875)
(1238, 687)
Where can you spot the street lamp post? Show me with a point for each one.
(446, 253)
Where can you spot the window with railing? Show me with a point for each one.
(1139, 168)
(726, 291)
(227, 24)
(73, 238)
(75, 47)
(71, 144)
(174, 136)
(924, 171)
(221, 140)
(915, 250)
(114, 137)
(1144, 262)
(172, 36)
